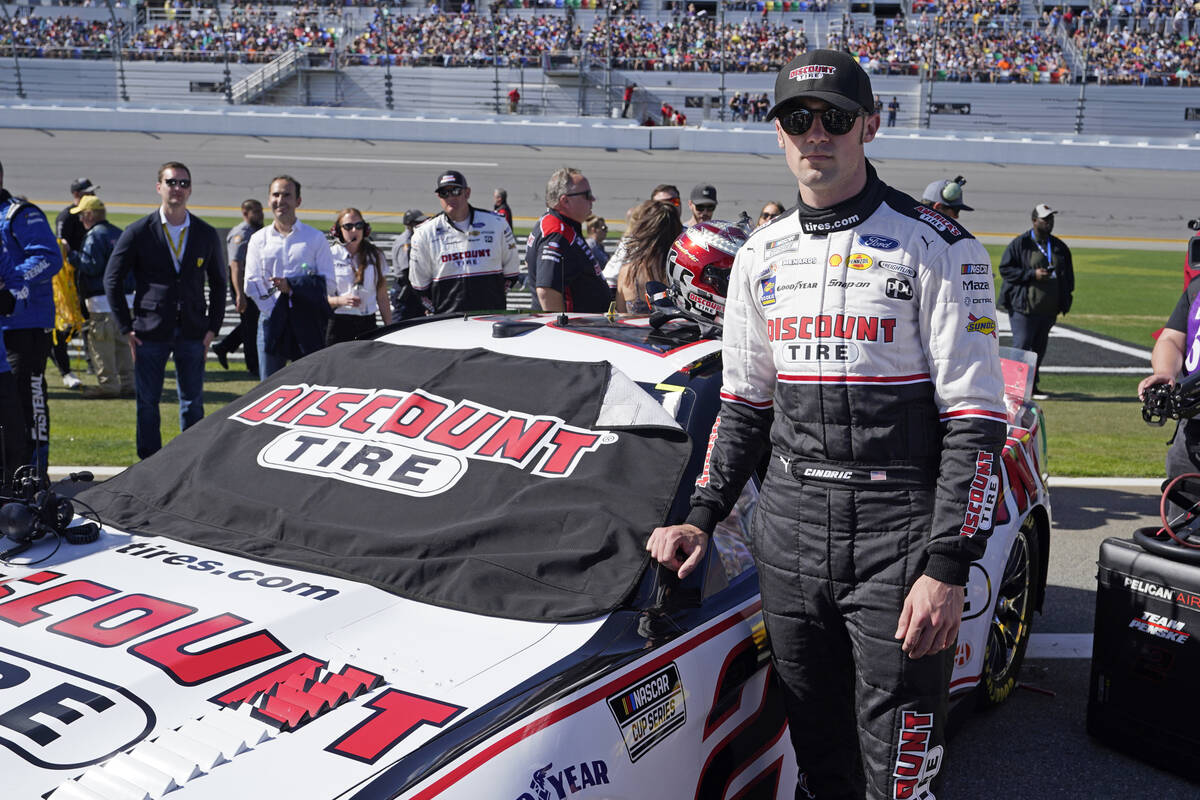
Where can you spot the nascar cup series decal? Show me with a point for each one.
(412, 443)
(650, 710)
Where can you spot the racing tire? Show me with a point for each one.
(1012, 619)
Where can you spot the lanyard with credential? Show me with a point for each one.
(1046, 252)
(176, 247)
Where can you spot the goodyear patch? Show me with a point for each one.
(984, 325)
(860, 261)
(650, 710)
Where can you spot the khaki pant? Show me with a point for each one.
(110, 354)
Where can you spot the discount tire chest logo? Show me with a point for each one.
(649, 710)
(413, 443)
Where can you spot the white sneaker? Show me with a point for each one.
(70, 381)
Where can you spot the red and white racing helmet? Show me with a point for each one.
(698, 268)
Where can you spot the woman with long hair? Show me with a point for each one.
(358, 266)
(654, 225)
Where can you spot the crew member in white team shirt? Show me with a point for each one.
(285, 249)
(465, 258)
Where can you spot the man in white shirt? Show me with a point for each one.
(284, 264)
(465, 258)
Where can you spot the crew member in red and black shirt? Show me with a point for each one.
(465, 258)
(563, 271)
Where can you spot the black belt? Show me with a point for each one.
(856, 476)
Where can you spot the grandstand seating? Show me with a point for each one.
(953, 40)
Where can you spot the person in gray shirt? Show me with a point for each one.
(246, 330)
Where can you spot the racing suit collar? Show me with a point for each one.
(846, 214)
(568, 221)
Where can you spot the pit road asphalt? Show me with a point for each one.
(1034, 745)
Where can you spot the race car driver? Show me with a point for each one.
(860, 345)
(465, 258)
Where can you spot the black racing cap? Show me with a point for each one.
(829, 75)
(450, 177)
(83, 186)
(704, 194)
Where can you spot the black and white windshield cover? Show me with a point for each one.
(502, 485)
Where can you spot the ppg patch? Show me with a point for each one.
(898, 289)
(648, 711)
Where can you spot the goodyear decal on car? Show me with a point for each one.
(649, 710)
(414, 443)
(550, 783)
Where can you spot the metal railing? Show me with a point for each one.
(263, 80)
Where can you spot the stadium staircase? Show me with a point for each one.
(301, 76)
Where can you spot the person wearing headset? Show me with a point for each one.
(946, 197)
(358, 274)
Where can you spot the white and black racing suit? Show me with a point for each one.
(860, 346)
(463, 266)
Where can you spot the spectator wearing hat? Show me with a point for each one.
(702, 203)
(107, 349)
(465, 258)
(246, 332)
(68, 225)
(946, 197)
(406, 303)
(1039, 281)
(71, 231)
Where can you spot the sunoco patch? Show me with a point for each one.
(650, 710)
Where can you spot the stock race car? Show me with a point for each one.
(414, 567)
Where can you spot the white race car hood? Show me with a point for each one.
(144, 662)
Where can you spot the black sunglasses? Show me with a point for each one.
(588, 194)
(354, 226)
(450, 191)
(178, 183)
(835, 121)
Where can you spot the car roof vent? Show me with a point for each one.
(508, 328)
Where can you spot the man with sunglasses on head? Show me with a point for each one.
(465, 258)
(860, 353)
(172, 255)
(563, 270)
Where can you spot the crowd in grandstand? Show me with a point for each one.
(965, 40)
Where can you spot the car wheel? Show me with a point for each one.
(1012, 621)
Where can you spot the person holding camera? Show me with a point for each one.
(1176, 355)
(1039, 281)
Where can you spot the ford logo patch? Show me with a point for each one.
(878, 242)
